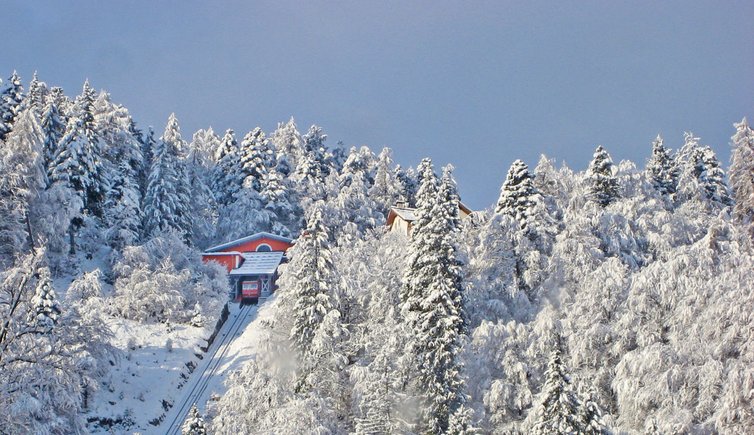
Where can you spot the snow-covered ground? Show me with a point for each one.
(148, 377)
(232, 347)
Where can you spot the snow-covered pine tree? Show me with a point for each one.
(432, 302)
(741, 173)
(354, 204)
(311, 168)
(289, 145)
(360, 162)
(148, 145)
(256, 157)
(516, 194)
(277, 198)
(714, 179)
(315, 274)
(36, 96)
(244, 215)
(227, 177)
(408, 184)
(11, 97)
(386, 190)
(661, 168)
(603, 184)
(45, 303)
(194, 424)
(122, 208)
(199, 165)
(53, 128)
(167, 201)
(22, 176)
(75, 161)
(701, 177)
(558, 409)
(417, 276)
(96, 184)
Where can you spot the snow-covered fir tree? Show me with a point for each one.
(53, 128)
(701, 178)
(313, 293)
(37, 95)
(11, 97)
(199, 165)
(558, 407)
(741, 173)
(22, 176)
(46, 307)
(256, 156)
(603, 185)
(661, 168)
(289, 145)
(516, 193)
(123, 208)
(432, 304)
(166, 205)
(227, 176)
(194, 424)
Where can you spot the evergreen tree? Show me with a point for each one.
(714, 179)
(76, 161)
(227, 177)
(289, 145)
(46, 307)
(313, 290)
(53, 129)
(122, 209)
(277, 198)
(199, 165)
(701, 177)
(386, 189)
(407, 184)
(194, 424)
(148, 145)
(37, 96)
(432, 302)
(742, 173)
(661, 168)
(558, 410)
(21, 177)
(256, 157)
(167, 201)
(311, 169)
(516, 194)
(603, 185)
(11, 97)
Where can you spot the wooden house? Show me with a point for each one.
(252, 264)
(401, 217)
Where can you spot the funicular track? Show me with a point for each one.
(209, 370)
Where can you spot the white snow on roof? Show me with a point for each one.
(407, 214)
(259, 263)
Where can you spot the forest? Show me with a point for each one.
(618, 299)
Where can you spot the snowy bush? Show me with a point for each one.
(164, 280)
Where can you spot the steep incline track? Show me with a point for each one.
(197, 386)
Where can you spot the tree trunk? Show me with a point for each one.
(72, 249)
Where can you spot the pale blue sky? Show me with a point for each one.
(477, 84)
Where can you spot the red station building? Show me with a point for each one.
(251, 263)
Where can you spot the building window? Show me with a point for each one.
(264, 247)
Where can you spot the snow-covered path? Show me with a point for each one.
(225, 355)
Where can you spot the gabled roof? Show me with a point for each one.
(409, 214)
(257, 236)
(259, 263)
